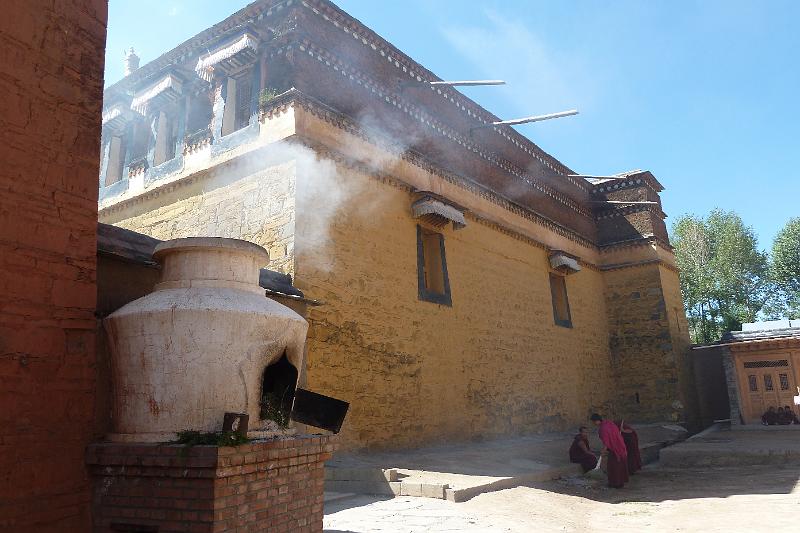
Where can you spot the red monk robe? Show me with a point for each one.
(580, 452)
(611, 438)
(631, 439)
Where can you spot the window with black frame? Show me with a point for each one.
(434, 285)
(558, 291)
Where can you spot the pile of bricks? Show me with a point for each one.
(271, 485)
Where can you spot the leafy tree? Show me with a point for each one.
(724, 278)
(785, 271)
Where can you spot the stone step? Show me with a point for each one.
(706, 456)
(462, 495)
(387, 488)
(457, 487)
(377, 481)
(369, 483)
(371, 474)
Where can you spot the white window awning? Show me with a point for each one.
(437, 213)
(117, 116)
(232, 54)
(564, 263)
(165, 90)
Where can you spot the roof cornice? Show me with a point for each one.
(390, 95)
(355, 29)
(334, 117)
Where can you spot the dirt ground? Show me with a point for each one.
(752, 499)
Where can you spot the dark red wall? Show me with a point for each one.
(51, 78)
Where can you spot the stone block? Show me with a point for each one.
(411, 489)
(430, 490)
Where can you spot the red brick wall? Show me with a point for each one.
(271, 486)
(51, 76)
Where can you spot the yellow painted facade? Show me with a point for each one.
(254, 206)
(416, 371)
(339, 220)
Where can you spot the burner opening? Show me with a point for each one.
(277, 391)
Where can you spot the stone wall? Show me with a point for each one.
(649, 341)
(274, 485)
(416, 372)
(256, 206)
(681, 346)
(51, 78)
(732, 384)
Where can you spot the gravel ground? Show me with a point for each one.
(752, 499)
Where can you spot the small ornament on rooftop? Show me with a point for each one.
(131, 61)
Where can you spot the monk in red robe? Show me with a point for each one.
(631, 439)
(614, 449)
(580, 452)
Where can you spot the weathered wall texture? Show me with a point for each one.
(51, 77)
(257, 207)
(416, 372)
(649, 353)
(681, 346)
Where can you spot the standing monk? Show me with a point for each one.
(614, 449)
(580, 452)
(631, 439)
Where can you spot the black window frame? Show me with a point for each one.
(559, 322)
(426, 295)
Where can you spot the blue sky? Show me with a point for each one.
(705, 94)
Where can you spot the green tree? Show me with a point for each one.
(724, 278)
(785, 272)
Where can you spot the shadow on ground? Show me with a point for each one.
(352, 500)
(656, 484)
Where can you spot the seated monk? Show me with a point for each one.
(580, 452)
(614, 449)
(770, 418)
(631, 439)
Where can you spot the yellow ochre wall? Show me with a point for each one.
(254, 206)
(416, 372)
(649, 353)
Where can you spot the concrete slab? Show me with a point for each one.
(331, 496)
(458, 472)
(726, 446)
(657, 500)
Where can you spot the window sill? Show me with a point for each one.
(436, 298)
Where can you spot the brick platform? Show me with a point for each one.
(271, 485)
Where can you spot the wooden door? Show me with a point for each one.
(768, 383)
(785, 387)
